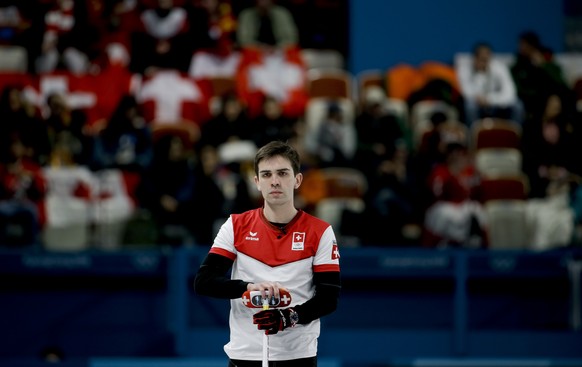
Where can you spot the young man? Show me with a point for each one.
(273, 249)
(488, 88)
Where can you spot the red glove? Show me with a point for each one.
(272, 321)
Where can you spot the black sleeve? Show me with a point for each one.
(325, 300)
(212, 280)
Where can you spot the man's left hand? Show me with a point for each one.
(272, 321)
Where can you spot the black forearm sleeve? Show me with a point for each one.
(324, 302)
(211, 279)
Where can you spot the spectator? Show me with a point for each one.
(22, 189)
(231, 123)
(454, 218)
(126, 142)
(488, 88)
(168, 189)
(548, 144)
(271, 124)
(67, 39)
(389, 199)
(163, 40)
(67, 126)
(534, 73)
(213, 31)
(336, 138)
(116, 22)
(266, 25)
(21, 119)
(17, 35)
(377, 131)
(208, 195)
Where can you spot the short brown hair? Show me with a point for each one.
(278, 148)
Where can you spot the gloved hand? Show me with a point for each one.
(272, 321)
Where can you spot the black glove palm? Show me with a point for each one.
(272, 321)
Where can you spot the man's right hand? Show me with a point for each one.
(271, 287)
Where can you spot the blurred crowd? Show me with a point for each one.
(135, 122)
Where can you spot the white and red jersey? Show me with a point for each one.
(263, 252)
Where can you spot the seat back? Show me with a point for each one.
(332, 182)
(495, 133)
(498, 161)
(503, 188)
(507, 224)
(329, 83)
(317, 59)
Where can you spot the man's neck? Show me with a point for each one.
(279, 214)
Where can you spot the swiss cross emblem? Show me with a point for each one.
(298, 241)
(335, 252)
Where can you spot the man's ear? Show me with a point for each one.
(298, 180)
(257, 183)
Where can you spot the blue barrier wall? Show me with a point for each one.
(396, 305)
(384, 33)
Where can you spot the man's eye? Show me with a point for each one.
(283, 173)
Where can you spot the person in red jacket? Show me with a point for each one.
(454, 218)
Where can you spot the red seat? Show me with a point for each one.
(329, 83)
(503, 188)
(496, 133)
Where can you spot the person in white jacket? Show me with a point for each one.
(488, 88)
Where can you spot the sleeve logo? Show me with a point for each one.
(335, 255)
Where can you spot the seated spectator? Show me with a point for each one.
(208, 195)
(377, 132)
(535, 73)
(552, 217)
(336, 139)
(433, 144)
(488, 88)
(389, 199)
(16, 37)
(117, 20)
(22, 189)
(271, 124)
(71, 191)
(271, 65)
(214, 32)
(167, 189)
(454, 218)
(67, 126)
(67, 39)
(231, 123)
(21, 119)
(163, 41)
(266, 25)
(126, 141)
(548, 143)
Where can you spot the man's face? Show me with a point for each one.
(276, 180)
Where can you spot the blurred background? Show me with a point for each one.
(441, 139)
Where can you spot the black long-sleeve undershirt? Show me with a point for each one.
(211, 280)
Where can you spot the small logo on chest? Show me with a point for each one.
(252, 236)
(298, 243)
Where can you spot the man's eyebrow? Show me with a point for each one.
(277, 170)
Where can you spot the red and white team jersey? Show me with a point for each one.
(262, 252)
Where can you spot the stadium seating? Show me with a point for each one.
(329, 83)
(495, 133)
